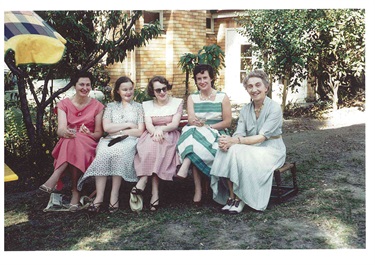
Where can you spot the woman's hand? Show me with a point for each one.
(69, 133)
(84, 129)
(199, 122)
(158, 135)
(225, 142)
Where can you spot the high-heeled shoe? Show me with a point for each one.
(112, 208)
(153, 206)
(95, 207)
(74, 207)
(47, 189)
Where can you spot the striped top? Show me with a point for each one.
(210, 110)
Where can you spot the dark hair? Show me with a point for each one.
(200, 68)
(257, 73)
(123, 79)
(81, 75)
(150, 86)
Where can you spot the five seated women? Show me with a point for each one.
(240, 166)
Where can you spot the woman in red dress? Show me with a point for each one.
(79, 128)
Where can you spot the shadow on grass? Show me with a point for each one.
(325, 214)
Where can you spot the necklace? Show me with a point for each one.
(207, 98)
(257, 111)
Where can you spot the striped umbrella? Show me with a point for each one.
(31, 38)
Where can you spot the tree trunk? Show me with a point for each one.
(335, 97)
(269, 94)
(286, 83)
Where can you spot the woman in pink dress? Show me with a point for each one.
(79, 128)
(157, 156)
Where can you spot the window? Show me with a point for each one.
(151, 16)
(209, 24)
(245, 60)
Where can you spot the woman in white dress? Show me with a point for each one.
(243, 167)
(123, 120)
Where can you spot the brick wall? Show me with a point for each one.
(184, 32)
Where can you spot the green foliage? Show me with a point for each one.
(15, 137)
(141, 95)
(94, 39)
(187, 62)
(212, 55)
(327, 45)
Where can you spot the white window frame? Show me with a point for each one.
(160, 17)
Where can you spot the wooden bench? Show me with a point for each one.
(280, 189)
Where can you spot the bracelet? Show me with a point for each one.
(239, 140)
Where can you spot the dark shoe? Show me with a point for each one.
(112, 208)
(153, 206)
(136, 191)
(228, 205)
(95, 207)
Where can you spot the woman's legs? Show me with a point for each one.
(154, 193)
(142, 182)
(230, 187)
(54, 178)
(100, 183)
(184, 169)
(231, 199)
(198, 185)
(114, 199)
(75, 175)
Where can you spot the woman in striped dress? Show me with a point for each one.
(209, 115)
(246, 160)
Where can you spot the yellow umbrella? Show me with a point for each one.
(31, 38)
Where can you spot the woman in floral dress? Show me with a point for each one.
(122, 118)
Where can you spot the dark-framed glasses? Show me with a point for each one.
(158, 90)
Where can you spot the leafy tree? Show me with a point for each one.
(324, 45)
(93, 37)
(276, 35)
(212, 55)
(341, 50)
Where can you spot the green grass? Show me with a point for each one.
(323, 215)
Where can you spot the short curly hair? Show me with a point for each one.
(162, 80)
(257, 73)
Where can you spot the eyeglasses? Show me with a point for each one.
(158, 90)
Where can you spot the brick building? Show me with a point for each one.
(187, 31)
